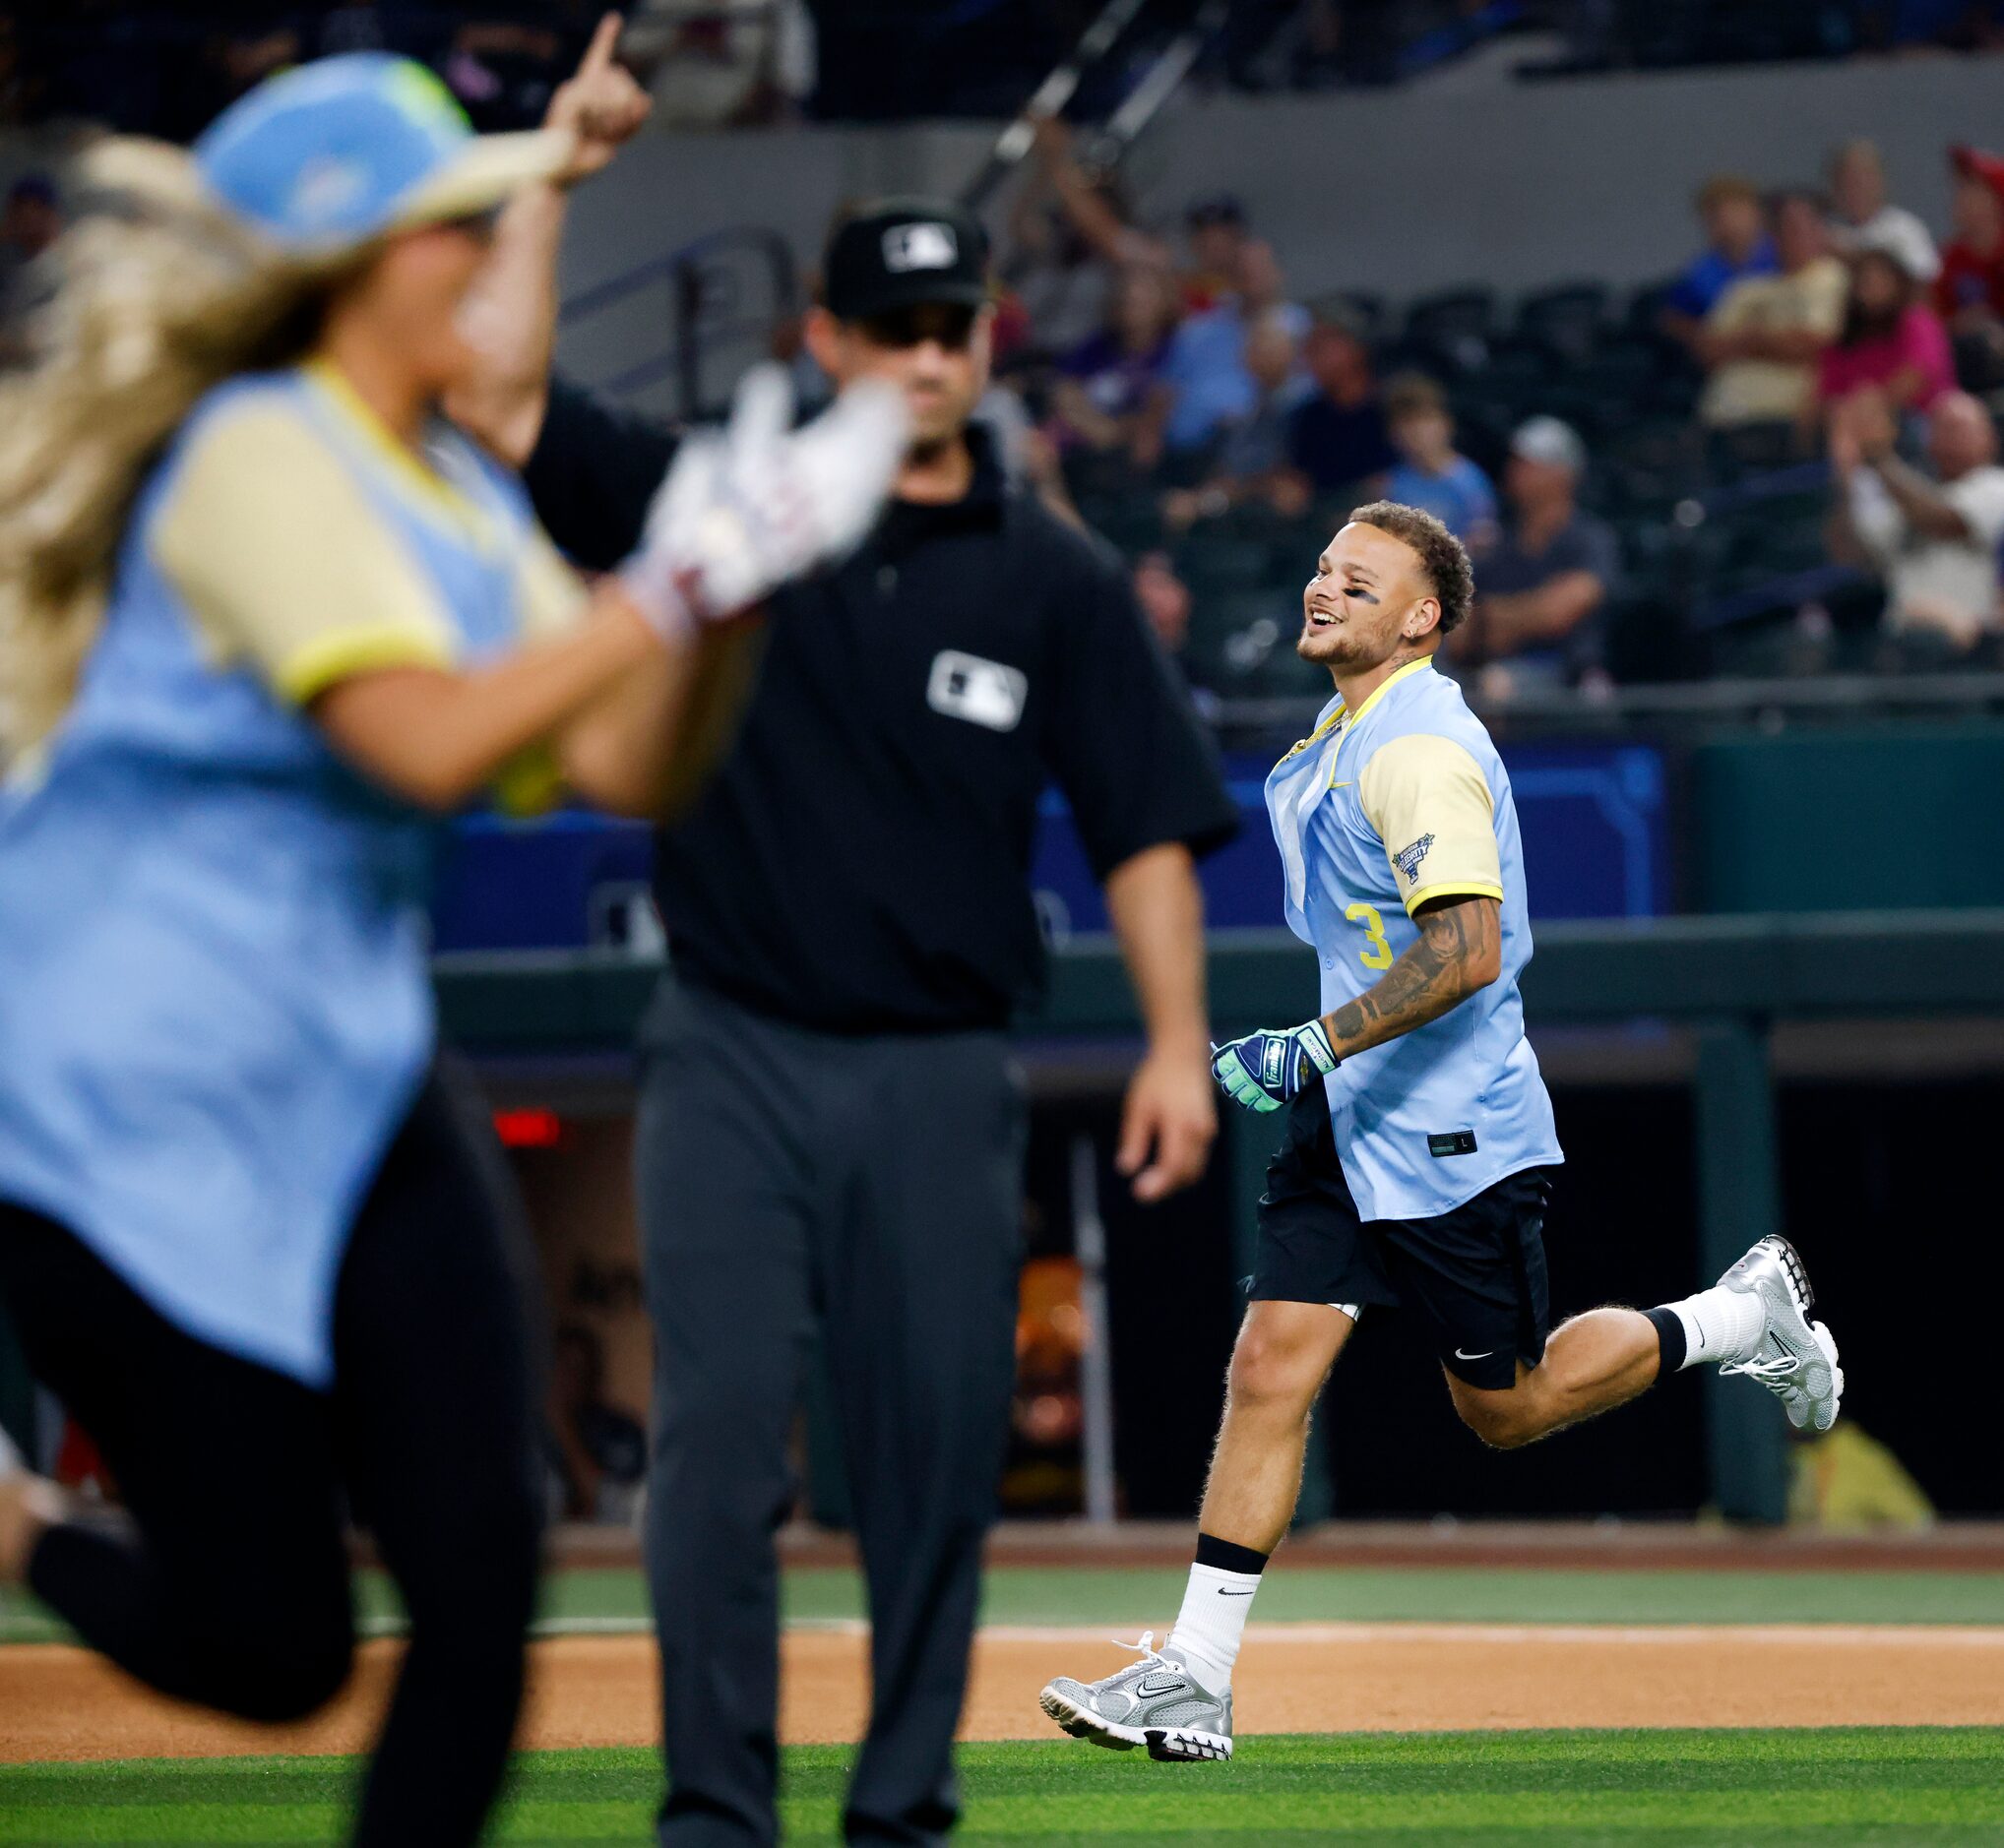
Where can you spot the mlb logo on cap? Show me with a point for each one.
(920, 247)
(901, 253)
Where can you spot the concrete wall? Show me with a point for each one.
(1402, 191)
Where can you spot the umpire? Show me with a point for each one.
(831, 1129)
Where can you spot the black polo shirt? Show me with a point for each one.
(860, 861)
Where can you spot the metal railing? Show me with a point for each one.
(727, 286)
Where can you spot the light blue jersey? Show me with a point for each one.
(217, 1007)
(1375, 814)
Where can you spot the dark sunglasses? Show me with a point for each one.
(951, 324)
(474, 225)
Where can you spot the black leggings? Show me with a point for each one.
(233, 1589)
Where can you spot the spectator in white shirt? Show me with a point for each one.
(1863, 219)
(1931, 538)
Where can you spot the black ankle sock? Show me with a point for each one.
(1669, 1327)
(1228, 1556)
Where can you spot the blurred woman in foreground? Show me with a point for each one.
(266, 618)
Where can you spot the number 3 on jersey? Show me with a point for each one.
(1376, 952)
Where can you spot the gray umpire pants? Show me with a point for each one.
(870, 1187)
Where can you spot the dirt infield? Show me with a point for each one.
(58, 1703)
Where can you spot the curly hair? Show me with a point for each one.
(1442, 556)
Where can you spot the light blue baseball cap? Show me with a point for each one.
(335, 153)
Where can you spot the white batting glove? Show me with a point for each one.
(743, 511)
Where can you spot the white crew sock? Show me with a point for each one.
(1720, 1325)
(1211, 1623)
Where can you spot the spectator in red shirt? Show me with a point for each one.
(1969, 294)
(1890, 338)
(1973, 264)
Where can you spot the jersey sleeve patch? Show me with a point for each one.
(284, 563)
(1428, 801)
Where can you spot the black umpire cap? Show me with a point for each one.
(903, 253)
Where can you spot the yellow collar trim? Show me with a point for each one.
(1385, 686)
(1377, 693)
(409, 469)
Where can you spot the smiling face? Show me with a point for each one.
(1369, 600)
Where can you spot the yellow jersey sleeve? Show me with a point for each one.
(282, 563)
(552, 596)
(550, 599)
(1427, 798)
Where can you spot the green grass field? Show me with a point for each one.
(1723, 1789)
(1436, 1790)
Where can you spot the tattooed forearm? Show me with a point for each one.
(1460, 950)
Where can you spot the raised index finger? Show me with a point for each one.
(604, 42)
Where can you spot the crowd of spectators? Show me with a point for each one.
(1792, 431)
(1610, 471)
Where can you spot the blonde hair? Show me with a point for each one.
(159, 299)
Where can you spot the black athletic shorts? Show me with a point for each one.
(1475, 1275)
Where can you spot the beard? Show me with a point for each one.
(1334, 646)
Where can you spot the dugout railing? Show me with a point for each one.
(563, 1020)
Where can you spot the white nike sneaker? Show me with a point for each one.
(1796, 1359)
(1155, 1703)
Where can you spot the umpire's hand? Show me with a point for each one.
(1168, 1124)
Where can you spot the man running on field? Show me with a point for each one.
(1415, 1164)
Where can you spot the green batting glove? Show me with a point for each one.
(1266, 1070)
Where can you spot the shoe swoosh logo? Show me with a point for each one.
(1463, 1354)
(1153, 1684)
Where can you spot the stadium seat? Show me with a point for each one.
(1454, 327)
(1214, 562)
(1569, 317)
(1362, 306)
